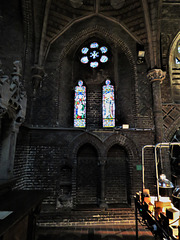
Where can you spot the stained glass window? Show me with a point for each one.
(108, 105)
(104, 59)
(80, 105)
(177, 60)
(178, 47)
(94, 54)
(177, 56)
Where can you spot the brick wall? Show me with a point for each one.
(40, 161)
(44, 149)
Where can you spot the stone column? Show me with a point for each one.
(156, 76)
(8, 151)
(13, 103)
(103, 203)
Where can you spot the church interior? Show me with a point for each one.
(90, 112)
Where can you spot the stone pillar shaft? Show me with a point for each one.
(156, 76)
(103, 204)
(8, 151)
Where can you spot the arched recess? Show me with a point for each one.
(86, 151)
(175, 158)
(172, 161)
(125, 80)
(128, 156)
(87, 176)
(169, 136)
(116, 172)
(170, 131)
(174, 68)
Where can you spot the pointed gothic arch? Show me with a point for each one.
(123, 51)
(174, 68)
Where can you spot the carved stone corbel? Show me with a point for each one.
(37, 77)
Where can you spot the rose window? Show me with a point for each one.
(94, 54)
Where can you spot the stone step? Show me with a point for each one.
(120, 216)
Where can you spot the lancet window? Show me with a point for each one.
(80, 105)
(108, 105)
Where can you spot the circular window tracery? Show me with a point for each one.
(94, 54)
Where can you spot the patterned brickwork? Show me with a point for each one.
(170, 114)
(171, 117)
(20, 166)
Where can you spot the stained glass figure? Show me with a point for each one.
(94, 55)
(80, 105)
(108, 105)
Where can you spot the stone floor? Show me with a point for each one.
(106, 232)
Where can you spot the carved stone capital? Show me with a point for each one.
(17, 68)
(156, 75)
(102, 161)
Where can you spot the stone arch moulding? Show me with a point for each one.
(132, 152)
(111, 38)
(85, 18)
(101, 32)
(169, 133)
(82, 139)
(124, 142)
(174, 69)
(74, 146)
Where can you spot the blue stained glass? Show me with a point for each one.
(94, 45)
(80, 105)
(84, 50)
(103, 49)
(108, 105)
(179, 48)
(80, 83)
(94, 54)
(104, 59)
(177, 61)
(79, 122)
(108, 122)
(108, 82)
(94, 64)
(84, 60)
